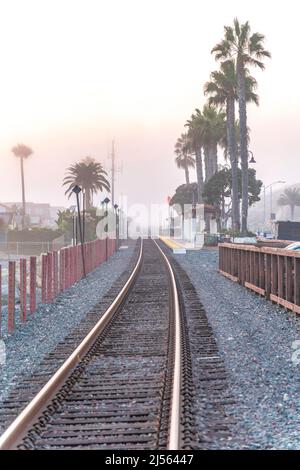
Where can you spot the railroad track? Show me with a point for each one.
(128, 384)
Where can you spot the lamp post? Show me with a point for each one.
(117, 225)
(77, 190)
(252, 159)
(83, 215)
(106, 201)
(271, 197)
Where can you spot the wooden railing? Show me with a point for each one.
(270, 272)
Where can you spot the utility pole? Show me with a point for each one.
(114, 170)
(113, 173)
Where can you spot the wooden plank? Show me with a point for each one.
(274, 274)
(285, 303)
(32, 283)
(261, 262)
(288, 279)
(296, 281)
(268, 275)
(256, 289)
(251, 267)
(11, 296)
(229, 276)
(281, 277)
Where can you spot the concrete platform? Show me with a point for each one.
(176, 247)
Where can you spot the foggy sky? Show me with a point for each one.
(75, 74)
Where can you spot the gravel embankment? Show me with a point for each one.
(255, 338)
(30, 343)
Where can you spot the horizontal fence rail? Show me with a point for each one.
(270, 272)
(41, 279)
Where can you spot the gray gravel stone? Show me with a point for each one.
(255, 338)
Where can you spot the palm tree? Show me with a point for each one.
(89, 175)
(184, 158)
(247, 50)
(290, 197)
(213, 133)
(194, 125)
(222, 89)
(206, 131)
(22, 152)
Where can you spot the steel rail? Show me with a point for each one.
(14, 433)
(174, 429)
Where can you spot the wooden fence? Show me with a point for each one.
(270, 272)
(59, 270)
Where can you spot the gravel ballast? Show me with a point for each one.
(31, 342)
(255, 338)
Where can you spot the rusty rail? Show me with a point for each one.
(271, 272)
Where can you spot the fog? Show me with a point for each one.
(76, 74)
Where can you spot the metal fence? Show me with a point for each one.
(13, 250)
(270, 272)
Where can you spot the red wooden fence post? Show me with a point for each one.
(55, 274)
(32, 302)
(44, 278)
(11, 295)
(66, 269)
(49, 277)
(23, 290)
(62, 269)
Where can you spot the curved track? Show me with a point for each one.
(123, 386)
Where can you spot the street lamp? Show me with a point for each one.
(77, 190)
(252, 159)
(106, 201)
(271, 197)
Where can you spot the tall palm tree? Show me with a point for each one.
(194, 125)
(206, 131)
(213, 133)
(184, 159)
(22, 152)
(222, 89)
(89, 175)
(290, 197)
(247, 50)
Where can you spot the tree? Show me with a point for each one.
(206, 131)
(65, 223)
(89, 175)
(22, 152)
(194, 125)
(184, 158)
(247, 50)
(213, 132)
(219, 187)
(184, 194)
(290, 197)
(222, 91)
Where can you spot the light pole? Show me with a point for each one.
(83, 215)
(106, 201)
(271, 197)
(77, 190)
(117, 225)
(252, 159)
